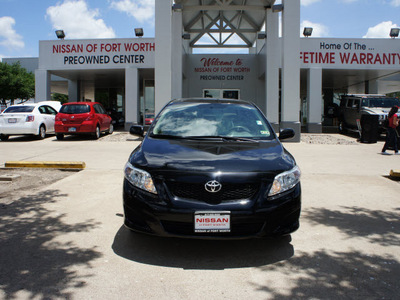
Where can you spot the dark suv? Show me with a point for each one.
(353, 107)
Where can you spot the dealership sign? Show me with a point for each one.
(90, 54)
(350, 54)
(222, 68)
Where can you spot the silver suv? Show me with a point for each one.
(353, 107)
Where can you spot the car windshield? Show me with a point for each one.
(209, 120)
(19, 109)
(381, 102)
(75, 109)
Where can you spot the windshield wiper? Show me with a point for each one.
(165, 136)
(204, 137)
(223, 138)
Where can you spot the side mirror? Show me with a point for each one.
(136, 130)
(286, 134)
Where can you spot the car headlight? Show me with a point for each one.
(139, 178)
(285, 181)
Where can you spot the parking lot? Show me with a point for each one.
(66, 240)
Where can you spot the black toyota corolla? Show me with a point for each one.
(211, 168)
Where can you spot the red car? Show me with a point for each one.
(82, 118)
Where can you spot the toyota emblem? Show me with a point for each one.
(213, 186)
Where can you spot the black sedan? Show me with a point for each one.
(211, 169)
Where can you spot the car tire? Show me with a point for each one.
(4, 137)
(59, 136)
(110, 129)
(97, 133)
(42, 132)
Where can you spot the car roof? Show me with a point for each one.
(38, 103)
(210, 100)
(81, 103)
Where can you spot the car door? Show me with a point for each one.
(356, 113)
(102, 117)
(51, 114)
(45, 118)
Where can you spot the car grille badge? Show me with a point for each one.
(213, 186)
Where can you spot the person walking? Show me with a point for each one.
(391, 133)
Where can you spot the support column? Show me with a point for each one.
(131, 97)
(42, 85)
(314, 100)
(272, 69)
(163, 53)
(177, 52)
(371, 87)
(74, 93)
(290, 107)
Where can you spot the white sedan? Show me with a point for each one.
(31, 118)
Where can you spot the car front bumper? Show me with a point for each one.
(144, 213)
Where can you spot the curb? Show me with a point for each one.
(395, 173)
(46, 164)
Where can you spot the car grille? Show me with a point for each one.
(229, 192)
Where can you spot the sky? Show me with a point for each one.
(23, 23)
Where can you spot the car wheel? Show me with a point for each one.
(59, 136)
(42, 132)
(110, 129)
(97, 133)
(4, 137)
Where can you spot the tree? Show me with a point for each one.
(15, 83)
(59, 97)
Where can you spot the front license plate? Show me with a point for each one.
(12, 120)
(72, 129)
(211, 222)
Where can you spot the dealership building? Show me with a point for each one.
(293, 79)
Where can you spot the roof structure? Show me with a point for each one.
(223, 23)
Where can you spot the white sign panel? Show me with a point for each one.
(96, 54)
(350, 54)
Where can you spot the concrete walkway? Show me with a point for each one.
(67, 240)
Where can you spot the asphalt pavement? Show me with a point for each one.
(66, 240)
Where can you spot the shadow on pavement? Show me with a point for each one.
(32, 260)
(352, 274)
(337, 275)
(377, 226)
(200, 254)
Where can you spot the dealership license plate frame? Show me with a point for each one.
(221, 223)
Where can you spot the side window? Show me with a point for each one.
(356, 103)
(51, 111)
(97, 109)
(364, 103)
(42, 109)
(349, 103)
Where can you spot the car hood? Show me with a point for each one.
(376, 110)
(161, 155)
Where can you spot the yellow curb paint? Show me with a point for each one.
(395, 173)
(46, 164)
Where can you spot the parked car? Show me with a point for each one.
(77, 118)
(210, 168)
(29, 119)
(353, 107)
